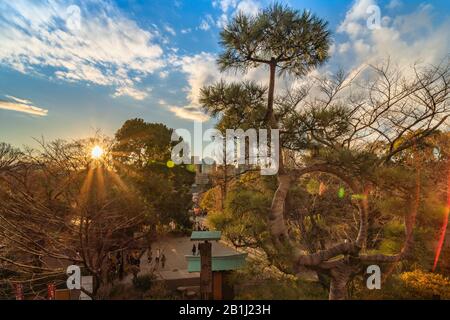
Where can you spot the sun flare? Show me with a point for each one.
(97, 152)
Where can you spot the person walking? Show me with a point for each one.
(163, 260)
(158, 256)
(120, 270)
(111, 272)
(120, 265)
(149, 256)
(194, 250)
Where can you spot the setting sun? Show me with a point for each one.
(97, 152)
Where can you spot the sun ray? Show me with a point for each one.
(119, 182)
(128, 169)
(86, 187)
(100, 184)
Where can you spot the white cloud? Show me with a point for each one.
(186, 31)
(189, 113)
(202, 70)
(170, 30)
(225, 4)
(130, 92)
(19, 100)
(22, 105)
(344, 47)
(230, 8)
(103, 47)
(204, 25)
(394, 4)
(248, 7)
(355, 19)
(406, 38)
(361, 48)
(163, 74)
(222, 22)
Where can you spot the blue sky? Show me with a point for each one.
(68, 68)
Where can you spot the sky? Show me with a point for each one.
(69, 68)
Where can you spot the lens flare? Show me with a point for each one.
(170, 164)
(444, 227)
(341, 193)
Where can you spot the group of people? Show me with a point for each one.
(116, 268)
(117, 265)
(134, 263)
(159, 257)
(195, 251)
(199, 226)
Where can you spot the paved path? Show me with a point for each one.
(175, 250)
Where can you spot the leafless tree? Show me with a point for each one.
(67, 209)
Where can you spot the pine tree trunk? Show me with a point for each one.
(338, 286)
(270, 119)
(276, 218)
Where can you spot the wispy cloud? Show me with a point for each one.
(394, 4)
(225, 4)
(170, 30)
(92, 42)
(131, 92)
(189, 113)
(22, 105)
(19, 100)
(204, 25)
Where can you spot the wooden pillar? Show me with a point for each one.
(227, 287)
(217, 286)
(206, 276)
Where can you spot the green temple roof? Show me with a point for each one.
(206, 235)
(219, 263)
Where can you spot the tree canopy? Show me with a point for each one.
(285, 40)
(143, 151)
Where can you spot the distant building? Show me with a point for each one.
(202, 175)
(204, 171)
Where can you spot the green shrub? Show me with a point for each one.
(414, 285)
(426, 285)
